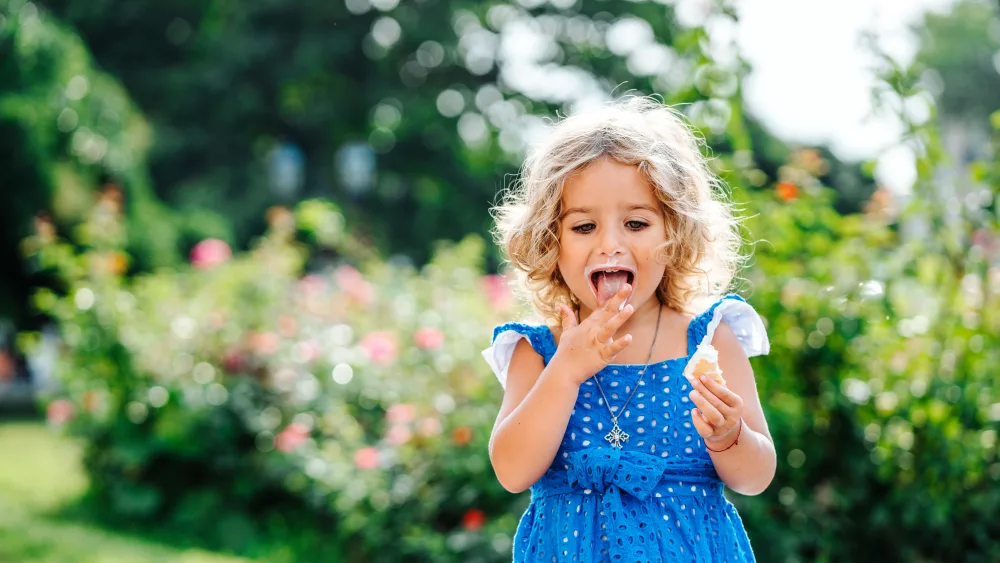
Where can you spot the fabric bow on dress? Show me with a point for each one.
(625, 478)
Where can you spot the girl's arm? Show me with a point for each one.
(533, 417)
(539, 399)
(747, 467)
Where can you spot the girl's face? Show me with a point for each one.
(608, 233)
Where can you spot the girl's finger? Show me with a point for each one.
(701, 384)
(614, 323)
(567, 317)
(618, 345)
(702, 426)
(610, 308)
(730, 399)
(707, 410)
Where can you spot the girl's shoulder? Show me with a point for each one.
(745, 322)
(505, 338)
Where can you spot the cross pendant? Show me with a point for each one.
(617, 436)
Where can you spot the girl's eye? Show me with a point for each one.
(636, 225)
(584, 228)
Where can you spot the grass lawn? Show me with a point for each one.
(40, 474)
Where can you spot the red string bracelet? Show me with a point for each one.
(737, 441)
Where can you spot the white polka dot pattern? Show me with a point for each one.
(659, 498)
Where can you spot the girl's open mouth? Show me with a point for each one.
(605, 281)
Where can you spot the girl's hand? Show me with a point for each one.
(719, 411)
(590, 345)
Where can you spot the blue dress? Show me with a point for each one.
(657, 499)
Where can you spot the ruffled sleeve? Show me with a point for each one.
(740, 316)
(505, 339)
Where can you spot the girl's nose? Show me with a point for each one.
(610, 244)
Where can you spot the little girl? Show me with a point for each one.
(618, 231)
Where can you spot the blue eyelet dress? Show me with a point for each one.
(656, 500)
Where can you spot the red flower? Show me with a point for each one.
(366, 458)
(428, 338)
(473, 519)
(232, 362)
(787, 191)
(60, 411)
(293, 436)
(209, 253)
(380, 347)
(7, 368)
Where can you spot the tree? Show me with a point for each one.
(410, 115)
(66, 130)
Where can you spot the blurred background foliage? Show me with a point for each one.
(249, 241)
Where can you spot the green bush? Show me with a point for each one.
(234, 388)
(350, 409)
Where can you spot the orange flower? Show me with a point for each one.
(279, 217)
(474, 519)
(430, 427)
(787, 190)
(462, 435)
(287, 325)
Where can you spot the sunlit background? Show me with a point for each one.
(248, 271)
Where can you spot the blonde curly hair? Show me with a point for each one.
(702, 250)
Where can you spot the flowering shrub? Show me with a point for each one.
(240, 384)
(353, 400)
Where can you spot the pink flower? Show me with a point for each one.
(985, 240)
(430, 427)
(291, 437)
(497, 291)
(305, 351)
(380, 347)
(209, 253)
(398, 435)
(428, 338)
(312, 285)
(400, 413)
(60, 411)
(350, 281)
(366, 458)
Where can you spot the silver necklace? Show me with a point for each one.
(617, 436)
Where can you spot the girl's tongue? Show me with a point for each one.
(608, 284)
